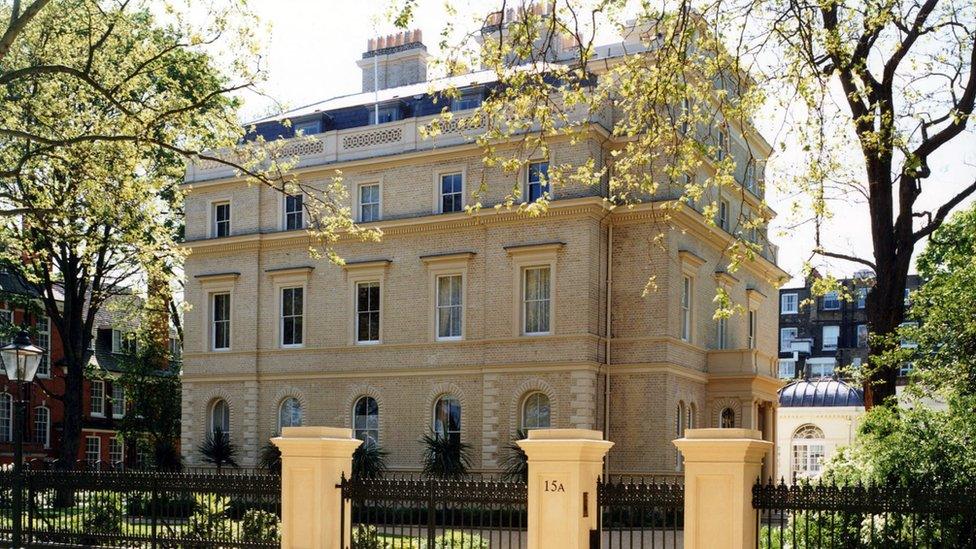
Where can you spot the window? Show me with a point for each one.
(727, 419)
(856, 363)
(44, 342)
(787, 368)
(750, 177)
(308, 127)
(292, 313)
(906, 369)
(383, 115)
(789, 304)
(6, 417)
(821, 367)
(6, 322)
(96, 404)
(722, 336)
(118, 400)
(289, 413)
(752, 329)
(679, 431)
(294, 212)
(692, 416)
(447, 418)
(93, 450)
(537, 181)
(221, 219)
(831, 301)
(220, 318)
(175, 349)
(831, 335)
(42, 426)
(449, 307)
(535, 412)
(907, 342)
(220, 417)
(685, 115)
(116, 451)
(369, 203)
(723, 145)
(786, 337)
(862, 335)
(535, 300)
(808, 451)
(123, 342)
(686, 289)
(452, 192)
(366, 420)
(723, 215)
(862, 297)
(908, 297)
(368, 312)
(466, 101)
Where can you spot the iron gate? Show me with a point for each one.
(639, 513)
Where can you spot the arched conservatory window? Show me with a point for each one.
(808, 451)
(289, 413)
(366, 420)
(220, 417)
(535, 411)
(447, 418)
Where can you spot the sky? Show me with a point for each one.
(311, 52)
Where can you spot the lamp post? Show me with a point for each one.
(20, 360)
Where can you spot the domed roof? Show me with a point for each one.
(818, 393)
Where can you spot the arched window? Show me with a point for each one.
(366, 419)
(535, 411)
(447, 418)
(42, 426)
(6, 417)
(289, 413)
(679, 431)
(220, 417)
(728, 419)
(692, 419)
(808, 451)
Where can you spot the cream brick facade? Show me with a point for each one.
(652, 372)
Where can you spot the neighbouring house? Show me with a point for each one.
(816, 416)
(820, 334)
(104, 402)
(469, 325)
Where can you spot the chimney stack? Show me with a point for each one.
(394, 60)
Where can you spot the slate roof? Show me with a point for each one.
(820, 393)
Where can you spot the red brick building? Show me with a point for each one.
(103, 402)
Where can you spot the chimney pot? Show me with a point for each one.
(418, 35)
(371, 44)
(390, 40)
(399, 39)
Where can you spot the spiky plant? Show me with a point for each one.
(218, 450)
(445, 457)
(369, 461)
(515, 463)
(270, 458)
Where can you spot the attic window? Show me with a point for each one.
(308, 127)
(389, 113)
(466, 101)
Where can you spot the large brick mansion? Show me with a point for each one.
(472, 325)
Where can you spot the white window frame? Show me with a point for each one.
(525, 302)
(439, 188)
(723, 214)
(47, 425)
(821, 367)
(281, 407)
(523, 410)
(447, 430)
(525, 180)
(282, 317)
(862, 297)
(532, 256)
(752, 318)
(366, 429)
(118, 386)
(357, 312)
(285, 213)
(88, 449)
(687, 306)
(213, 221)
(823, 340)
(439, 308)
(784, 344)
(379, 201)
(786, 366)
(906, 343)
(300, 126)
(210, 416)
(112, 454)
(213, 321)
(834, 298)
(805, 451)
(7, 410)
(92, 384)
(857, 332)
(789, 304)
(44, 342)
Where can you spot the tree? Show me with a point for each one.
(217, 449)
(445, 457)
(902, 73)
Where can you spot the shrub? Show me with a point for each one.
(209, 520)
(366, 537)
(516, 463)
(104, 514)
(259, 527)
(270, 458)
(446, 457)
(368, 461)
(217, 449)
(459, 540)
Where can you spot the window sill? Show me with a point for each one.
(535, 334)
(294, 346)
(222, 350)
(367, 343)
(99, 416)
(449, 339)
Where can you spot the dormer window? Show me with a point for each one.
(467, 101)
(308, 127)
(382, 115)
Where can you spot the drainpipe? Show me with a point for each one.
(606, 352)
(376, 89)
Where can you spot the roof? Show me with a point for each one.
(819, 393)
(14, 283)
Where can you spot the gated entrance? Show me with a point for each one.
(639, 514)
(407, 512)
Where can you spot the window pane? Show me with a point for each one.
(368, 311)
(6, 417)
(366, 419)
(42, 425)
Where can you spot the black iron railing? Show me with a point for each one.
(145, 508)
(639, 513)
(407, 512)
(814, 514)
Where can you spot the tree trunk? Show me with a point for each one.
(885, 312)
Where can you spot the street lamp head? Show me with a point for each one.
(21, 358)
